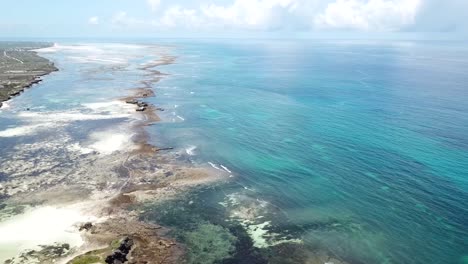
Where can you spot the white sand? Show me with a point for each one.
(250, 213)
(258, 233)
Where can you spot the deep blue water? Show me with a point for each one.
(362, 146)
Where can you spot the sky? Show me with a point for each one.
(232, 18)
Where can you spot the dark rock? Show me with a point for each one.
(161, 149)
(165, 243)
(132, 101)
(120, 255)
(142, 104)
(126, 245)
(116, 258)
(86, 226)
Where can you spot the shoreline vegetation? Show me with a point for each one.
(21, 67)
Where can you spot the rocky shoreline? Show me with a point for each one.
(120, 206)
(104, 188)
(21, 68)
(149, 243)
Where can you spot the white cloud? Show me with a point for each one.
(249, 13)
(153, 4)
(368, 15)
(241, 14)
(121, 18)
(267, 15)
(93, 20)
(177, 16)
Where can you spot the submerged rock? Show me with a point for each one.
(209, 243)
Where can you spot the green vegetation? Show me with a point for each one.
(87, 259)
(19, 67)
(92, 257)
(96, 256)
(115, 244)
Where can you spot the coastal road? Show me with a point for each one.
(13, 58)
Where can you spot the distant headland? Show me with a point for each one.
(21, 67)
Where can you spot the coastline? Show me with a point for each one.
(100, 196)
(138, 173)
(78, 159)
(28, 77)
(150, 243)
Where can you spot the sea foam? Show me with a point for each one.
(25, 130)
(108, 142)
(40, 226)
(191, 150)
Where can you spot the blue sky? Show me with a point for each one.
(179, 18)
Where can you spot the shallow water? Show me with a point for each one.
(59, 140)
(355, 149)
(362, 146)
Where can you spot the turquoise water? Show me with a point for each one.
(360, 146)
(349, 149)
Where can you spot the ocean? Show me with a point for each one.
(335, 151)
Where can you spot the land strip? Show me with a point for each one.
(21, 67)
